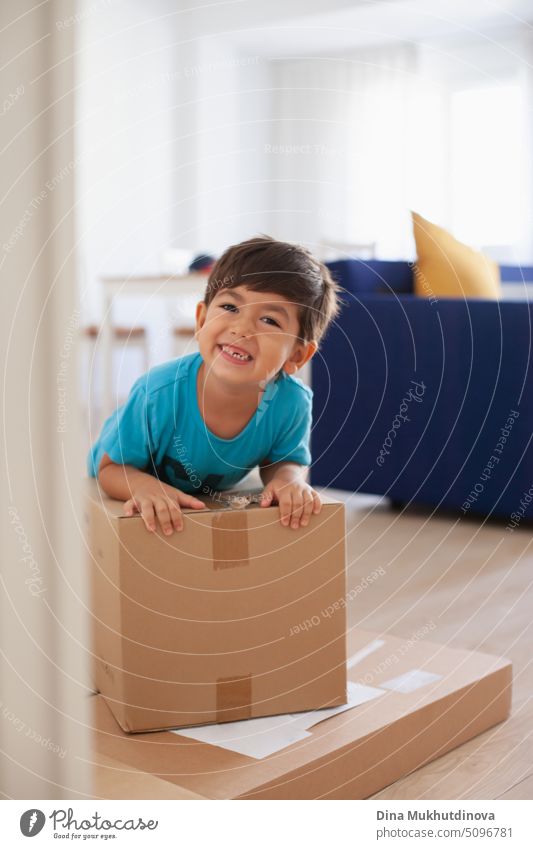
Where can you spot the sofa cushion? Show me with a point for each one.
(446, 268)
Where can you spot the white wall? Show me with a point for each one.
(228, 175)
(170, 137)
(365, 136)
(125, 139)
(181, 107)
(359, 142)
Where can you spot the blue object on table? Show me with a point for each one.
(202, 262)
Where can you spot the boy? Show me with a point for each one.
(201, 422)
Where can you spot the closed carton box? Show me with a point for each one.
(430, 699)
(234, 617)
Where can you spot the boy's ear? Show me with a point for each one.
(302, 353)
(201, 312)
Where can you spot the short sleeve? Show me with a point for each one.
(292, 443)
(125, 435)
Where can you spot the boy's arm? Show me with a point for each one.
(281, 470)
(120, 481)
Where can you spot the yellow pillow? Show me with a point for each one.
(445, 268)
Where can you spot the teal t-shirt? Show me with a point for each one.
(160, 430)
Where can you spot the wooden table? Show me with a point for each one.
(155, 285)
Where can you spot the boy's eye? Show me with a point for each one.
(228, 307)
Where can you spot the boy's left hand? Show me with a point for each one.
(297, 501)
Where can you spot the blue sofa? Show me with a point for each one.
(423, 401)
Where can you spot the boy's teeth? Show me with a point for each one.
(235, 354)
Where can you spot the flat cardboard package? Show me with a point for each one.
(431, 700)
(234, 617)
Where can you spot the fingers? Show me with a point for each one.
(166, 511)
(266, 498)
(285, 507)
(317, 503)
(307, 508)
(297, 509)
(146, 509)
(130, 507)
(163, 508)
(296, 506)
(168, 515)
(189, 500)
(176, 516)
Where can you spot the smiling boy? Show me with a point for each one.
(202, 422)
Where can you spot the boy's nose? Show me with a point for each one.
(241, 334)
(242, 328)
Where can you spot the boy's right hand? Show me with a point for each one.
(161, 502)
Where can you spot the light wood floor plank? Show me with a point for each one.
(471, 582)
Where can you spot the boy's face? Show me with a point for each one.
(246, 337)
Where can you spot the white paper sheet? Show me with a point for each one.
(410, 681)
(358, 694)
(258, 738)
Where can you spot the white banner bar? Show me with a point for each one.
(309, 824)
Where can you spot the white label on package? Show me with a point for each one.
(258, 738)
(410, 681)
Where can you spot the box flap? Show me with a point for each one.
(115, 508)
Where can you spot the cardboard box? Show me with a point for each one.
(457, 695)
(234, 617)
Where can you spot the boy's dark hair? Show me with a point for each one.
(265, 265)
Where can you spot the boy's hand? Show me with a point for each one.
(297, 501)
(162, 502)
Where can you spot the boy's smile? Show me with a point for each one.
(236, 354)
(247, 337)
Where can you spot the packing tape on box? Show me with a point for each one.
(230, 539)
(230, 549)
(234, 698)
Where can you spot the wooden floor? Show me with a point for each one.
(471, 582)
